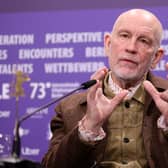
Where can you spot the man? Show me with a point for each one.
(122, 121)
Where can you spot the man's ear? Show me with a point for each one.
(107, 42)
(158, 56)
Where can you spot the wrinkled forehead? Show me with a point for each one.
(139, 18)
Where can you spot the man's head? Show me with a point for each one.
(133, 47)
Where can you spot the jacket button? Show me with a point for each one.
(124, 162)
(126, 140)
(127, 104)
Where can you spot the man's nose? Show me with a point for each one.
(131, 46)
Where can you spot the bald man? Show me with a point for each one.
(122, 121)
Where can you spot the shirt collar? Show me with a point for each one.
(117, 89)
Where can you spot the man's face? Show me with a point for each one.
(132, 47)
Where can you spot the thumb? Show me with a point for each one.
(119, 97)
(151, 90)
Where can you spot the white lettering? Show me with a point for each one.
(4, 114)
(3, 54)
(28, 151)
(17, 39)
(165, 47)
(94, 52)
(5, 92)
(70, 67)
(46, 53)
(165, 34)
(23, 132)
(39, 114)
(75, 37)
(160, 66)
(59, 89)
(12, 68)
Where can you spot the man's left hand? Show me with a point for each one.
(160, 98)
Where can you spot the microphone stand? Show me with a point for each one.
(16, 145)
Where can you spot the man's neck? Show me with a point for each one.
(126, 84)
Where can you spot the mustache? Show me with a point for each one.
(129, 58)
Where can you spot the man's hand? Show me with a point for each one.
(160, 98)
(99, 74)
(99, 107)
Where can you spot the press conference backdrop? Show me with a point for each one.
(57, 50)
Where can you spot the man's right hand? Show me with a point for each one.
(99, 107)
(99, 74)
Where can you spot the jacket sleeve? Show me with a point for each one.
(66, 150)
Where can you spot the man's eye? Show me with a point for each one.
(124, 35)
(145, 41)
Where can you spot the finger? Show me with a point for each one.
(151, 90)
(99, 92)
(100, 95)
(99, 74)
(119, 98)
(92, 91)
(164, 95)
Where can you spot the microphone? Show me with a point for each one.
(16, 146)
(88, 84)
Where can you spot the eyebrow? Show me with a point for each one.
(141, 34)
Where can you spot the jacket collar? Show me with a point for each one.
(160, 83)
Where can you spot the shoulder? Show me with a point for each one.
(159, 82)
(70, 110)
(77, 98)
(72, 102)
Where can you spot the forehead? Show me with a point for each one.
(135, 21)
(139, 23)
